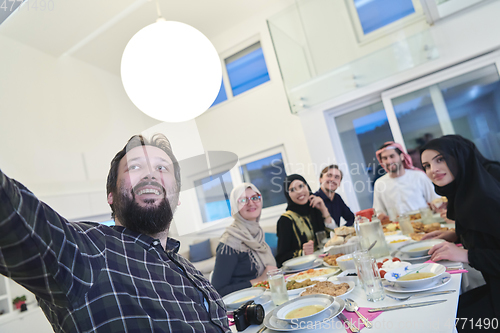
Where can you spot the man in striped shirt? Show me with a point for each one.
(89, 277)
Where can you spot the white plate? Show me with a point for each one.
(350, 283)
(298, 291)
(240, 297)
(273, 323)
(411, 250)
(404, 257)
(396, 274)
(298, 278)
(303, 262)
(316, 263)
(324, 301)
(443, 280)
(327, 265)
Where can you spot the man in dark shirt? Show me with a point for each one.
(127, 278)
(330, 179)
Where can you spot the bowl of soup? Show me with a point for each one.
(235, 299)
(346, 262)
(304, 308)
(421, 248)
(416, 276)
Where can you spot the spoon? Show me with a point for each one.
(371, 246)
(351, 306)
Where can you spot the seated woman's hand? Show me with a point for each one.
(447, 235)
(263, 276)
(448, 251)
(308, 248)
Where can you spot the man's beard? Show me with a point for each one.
(149, 220)
(398, 165)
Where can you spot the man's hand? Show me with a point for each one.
(382, 216)
(447, 235)
(448, 251)
(308, 248)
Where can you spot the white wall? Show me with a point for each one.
(62, 121)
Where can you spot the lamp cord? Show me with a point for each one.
(160, 17)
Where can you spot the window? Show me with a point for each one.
(247, 69)
(267, 174)
(372, 19)
(213, 196)
(375, 14)
(222, 96)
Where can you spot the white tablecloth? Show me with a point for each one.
(432, 318)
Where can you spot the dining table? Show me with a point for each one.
(440, 317)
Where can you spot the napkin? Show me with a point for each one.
(354, 319)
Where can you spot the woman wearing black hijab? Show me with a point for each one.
(305, 215)
(472, 185)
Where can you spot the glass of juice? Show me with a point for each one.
(277, 285)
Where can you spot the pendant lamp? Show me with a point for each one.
(171, 71)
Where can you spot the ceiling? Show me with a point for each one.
(97, 31)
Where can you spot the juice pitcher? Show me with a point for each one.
(369, 232)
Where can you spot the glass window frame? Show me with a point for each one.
(363, 38)
(276, 210)
(237, 179)
(225, 77)
(386, 95)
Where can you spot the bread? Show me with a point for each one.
(337, 240)
(416, 236)
(439, 201)
(344, 231)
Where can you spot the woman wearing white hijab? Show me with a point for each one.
(243, 257)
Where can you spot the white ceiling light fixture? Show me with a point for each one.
(171, 71)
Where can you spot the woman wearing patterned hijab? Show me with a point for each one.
(243, 258)
(305, 215)
(472, 185)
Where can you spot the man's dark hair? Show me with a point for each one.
(159, 141)
(398, 151)
(331, 166)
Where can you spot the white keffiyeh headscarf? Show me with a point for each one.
(247, 236)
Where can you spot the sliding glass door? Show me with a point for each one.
(464, 100)
(467, 104)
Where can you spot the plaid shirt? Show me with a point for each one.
(93, 278)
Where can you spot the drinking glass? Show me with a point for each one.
(405, 224)
(426, 214)
(277, 285)
(321, 238)
(369, 276)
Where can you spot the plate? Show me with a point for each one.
(324, 301)
(299, 290)
(240, 297)
(396, 275)
(304, 275)
(328, 265)
(443, 280)
(419, 249)
(316, 263)
(302, 262)
(404, 257)
(350, 283)
(273, 323)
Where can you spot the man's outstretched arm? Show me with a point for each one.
(41, 250)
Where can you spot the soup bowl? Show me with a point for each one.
(419, 249)
(415, 276)
(316, 303)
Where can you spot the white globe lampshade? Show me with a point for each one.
(171, 71)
